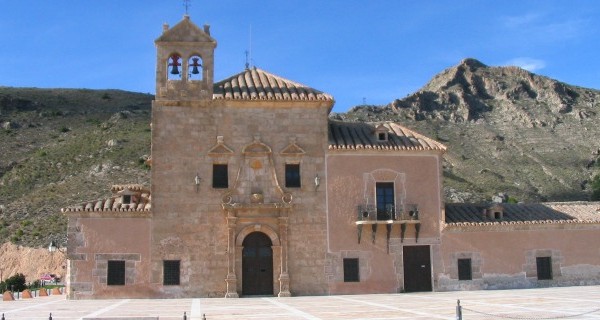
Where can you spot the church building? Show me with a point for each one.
(256, 192)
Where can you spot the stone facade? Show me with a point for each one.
(255, 192)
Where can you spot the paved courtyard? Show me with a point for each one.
(550, 303)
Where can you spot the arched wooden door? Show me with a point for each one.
(257, 265)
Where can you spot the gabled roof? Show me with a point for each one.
(185, 31)
(361, 136)
(257, 84)
(141, 200)
(466, 214)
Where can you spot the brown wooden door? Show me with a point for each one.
(257, 265)
(417, 269)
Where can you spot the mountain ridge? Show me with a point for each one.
(67, 146)
(490, 117)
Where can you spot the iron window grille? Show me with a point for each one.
(220, 176)
(115, 274)
(465, 271)
(292, 176)
(351, 273)
(171, 272)
(544, 268)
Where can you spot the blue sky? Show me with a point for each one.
(356, 50)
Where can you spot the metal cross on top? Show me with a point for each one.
(187, 5)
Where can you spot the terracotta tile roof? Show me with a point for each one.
(465, 214)
(257, 84)
(361, 136)
(140, 200)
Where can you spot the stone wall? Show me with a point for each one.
(504, 257)
(351, 183)
(189, 222)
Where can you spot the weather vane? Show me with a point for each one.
(187, 5)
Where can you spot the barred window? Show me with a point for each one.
(220, 176)
(115, 273)
(544, 268)
(171, 272)
(292, 176)
(464, 269)
(351, 270)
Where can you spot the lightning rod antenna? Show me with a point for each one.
(187, 4)
(249, 51)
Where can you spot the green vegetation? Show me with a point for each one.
(596, 188)
(15, 283)
(512, 200)
(62, 158)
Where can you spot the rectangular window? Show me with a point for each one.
(220, 177)
(544, 268)
(385, 200)
(171, 272)
(115, 275)
(464, 269)
(292, 176)
(351, 270)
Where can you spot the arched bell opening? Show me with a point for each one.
(195, 69)
(174, 67)
(257, 265)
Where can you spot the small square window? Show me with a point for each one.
(544, 268)
(115, 273)
(351, 270)
(292, 176)
(382, 136)
(171, 272)
(220, 176)
(464, 269)
(126, 199)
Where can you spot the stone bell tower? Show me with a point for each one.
(185, 62)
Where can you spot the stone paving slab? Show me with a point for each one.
(548, 303)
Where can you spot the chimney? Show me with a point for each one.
(207, 29)
(165, 27)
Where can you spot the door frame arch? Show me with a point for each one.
(276, 247)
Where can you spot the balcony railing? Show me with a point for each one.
(368, 212)
(389, 216)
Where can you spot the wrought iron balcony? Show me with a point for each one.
(388, 216)
(368, 212)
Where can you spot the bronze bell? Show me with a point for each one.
(195, 66)
(174, 69)
(174, 64)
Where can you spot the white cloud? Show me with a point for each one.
(520, 21)
(528, 64)
(543, 28)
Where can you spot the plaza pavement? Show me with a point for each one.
(548, 303)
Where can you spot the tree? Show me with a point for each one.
(596, 188)
(16, 282)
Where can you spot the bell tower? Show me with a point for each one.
(185, 62)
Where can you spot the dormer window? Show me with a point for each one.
(495, 212)
(381, 133)
(126, 199)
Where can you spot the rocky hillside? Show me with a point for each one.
(61, 147)
(31, 262)
(507, 130)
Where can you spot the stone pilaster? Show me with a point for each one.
(231, 278)
(284, 278)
